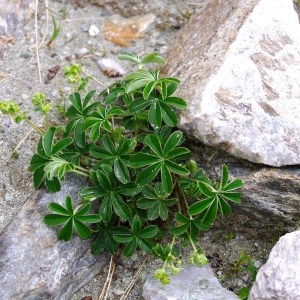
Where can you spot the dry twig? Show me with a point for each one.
(105, 289)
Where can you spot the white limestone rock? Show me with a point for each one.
(279, 278)
(239, 66)
(190, 284)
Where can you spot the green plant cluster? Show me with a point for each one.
(125, 141)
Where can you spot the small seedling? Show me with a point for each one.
(56, 30)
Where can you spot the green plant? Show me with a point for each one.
(56, 30)
(244, 263)
(124, 140)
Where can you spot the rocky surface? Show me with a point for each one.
(191, 284)
(239, 67)
(241, 233)
(34, 264)
(279, 278)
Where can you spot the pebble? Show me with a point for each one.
(26, 55)
(85, 28)
(83, 51)
(94, 30)
(118, 292)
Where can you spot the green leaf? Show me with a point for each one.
(63, 143)
(138, 105)
(176, 168)
(47, 140)
(235, 184)
(148, 232)
(121, 208)
(93, 218)
(234, 196)
(123, 237)
(181, 218)
(206, 189)
(224, 207)
(79, 134)
(129, 57)
(211, 213)
(154, 143)
(153, 212)
(176, 102)
(172, 142)
(88, 97)
(148, 174)
(58, 208)
(136, 225)
(130, 248)
(91, 193)
(53, 185)
(179, 151)
(169, 115)
(38, 177)
(83, 231)
(166, 179)
(142, 159)
(55, 219)
(155, 114)
(200, 206)
(67, 231)
(148, 89)
(178, 230)
(76, 101)
(224, 176)
(136, 84)
(121, 171)
(152, 58)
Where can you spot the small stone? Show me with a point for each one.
(190, 283)
(111, 67)
(118, 292)
(122, 32)
(93, 30)
(85, 28)
(26, 55)
(82, 52)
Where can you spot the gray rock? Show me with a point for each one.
(279, 278)
(13, 14)
(239, 66)
(191, 283)
(269, 196)
(34, 264)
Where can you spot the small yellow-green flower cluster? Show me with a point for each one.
(12, 109)
(162, 275)
(39, 101)
(198, 259)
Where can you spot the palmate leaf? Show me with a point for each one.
(100, 119)
(115, 154)
(189, 225)
(77, 113)
(137, 237)
(104, 237)
(108, 189)
(216, 198)
(71, 219)
(42, 163)
(163, 160)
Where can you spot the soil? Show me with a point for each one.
(20, 78)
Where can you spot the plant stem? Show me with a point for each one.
(80, 173)
(40, 131)
(83, 170)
